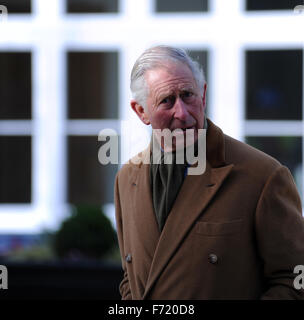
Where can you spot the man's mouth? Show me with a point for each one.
(184, 129)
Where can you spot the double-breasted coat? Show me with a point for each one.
(234, 232)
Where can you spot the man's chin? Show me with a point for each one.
(181, 140)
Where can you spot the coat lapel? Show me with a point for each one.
(177, 225)
(143, 216)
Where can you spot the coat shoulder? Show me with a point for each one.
(125, 170)
(132, 165)
(246, 156)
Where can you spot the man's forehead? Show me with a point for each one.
(172, 87)
(179, 77)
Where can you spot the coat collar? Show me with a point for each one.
(160, 247)
(215, 149)
(215, 145)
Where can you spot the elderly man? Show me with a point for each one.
(234, 232)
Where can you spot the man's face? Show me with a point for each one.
(174, 99)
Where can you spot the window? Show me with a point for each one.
(16, 101)
(93, 85)
(17, 6)
(56, 99)
(15, 85)
(15, 169)
(271, 4)
(90, 6)
(287, 150)
(89, 182)
(201, 56)
(181, 6)
(274, 84)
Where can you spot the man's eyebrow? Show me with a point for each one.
(186, 87)
(164, 94)
(170, 92)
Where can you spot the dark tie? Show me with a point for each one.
(166, 181)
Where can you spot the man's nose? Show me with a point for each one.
(180, 109)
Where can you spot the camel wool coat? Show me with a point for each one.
(234, 232)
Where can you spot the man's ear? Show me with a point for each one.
(140, 111)
(204, 95)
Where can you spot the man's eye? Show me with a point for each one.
(167, 101)
(187, 94)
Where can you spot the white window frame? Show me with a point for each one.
(49, 33)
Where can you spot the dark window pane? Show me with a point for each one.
(89, 182)
(271, 4)
(287, 150)
(92, 85)
(90, 6)
(15, 169)
(17, 6)
(202, 58)
(15, 85)
(274, 84)
(181, 5)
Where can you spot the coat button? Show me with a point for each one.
(213, 258)
(128, 257)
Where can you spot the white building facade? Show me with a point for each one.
(61, 52)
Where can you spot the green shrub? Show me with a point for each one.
(87, 233)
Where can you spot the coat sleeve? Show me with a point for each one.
(280, 235)
(124, 287)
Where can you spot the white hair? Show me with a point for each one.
(156, 57)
